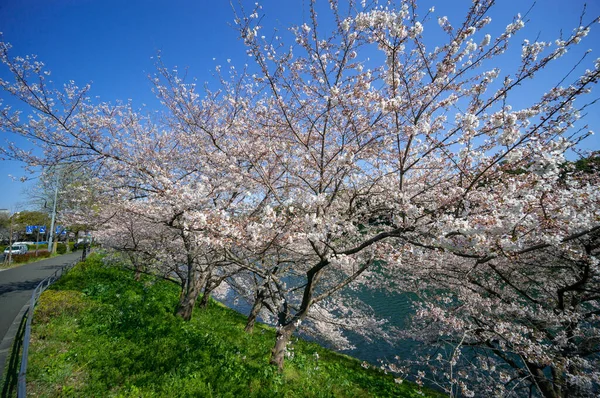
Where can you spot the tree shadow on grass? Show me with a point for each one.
(9, 385)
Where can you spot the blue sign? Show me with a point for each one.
(29, 229)
(60, 230)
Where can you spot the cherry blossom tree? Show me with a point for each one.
(511, 324)
(420, 151)
(145, 168)
(145, 245)
(259, 283)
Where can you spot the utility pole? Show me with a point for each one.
(10, 241)
(37, 240)
(50, 239)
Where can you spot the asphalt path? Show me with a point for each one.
(17, 285)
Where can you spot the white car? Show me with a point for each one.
(16, 249)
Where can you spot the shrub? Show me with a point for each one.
(23, 258)
(61, 248)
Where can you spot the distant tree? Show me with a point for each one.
(4, 227)
(30, 217)
(62, 181)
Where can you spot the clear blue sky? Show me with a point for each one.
(110, 43)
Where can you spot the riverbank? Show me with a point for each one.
(98, 332)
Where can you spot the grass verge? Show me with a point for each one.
(99, 333)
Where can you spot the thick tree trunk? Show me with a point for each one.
(189, 296)
(256, 307)
(284, 334)
(204, 301)
(183, 289)
(137, 266)
(185, 307)
(211, 284)
(138, 273)
(546, 387)
(84, 252)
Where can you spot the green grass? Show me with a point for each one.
(99, 333)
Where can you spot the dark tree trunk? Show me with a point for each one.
(256, 307)
(548, 388)
(138, 273)
(137, 266)
(289, 324)
(189, 295)
(204, 301)
(183, 289)
(185, 307)
(211, 284)
(84, 252)
(284, 334)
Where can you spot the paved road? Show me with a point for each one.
(17, 284)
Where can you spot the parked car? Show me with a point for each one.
(16, 249)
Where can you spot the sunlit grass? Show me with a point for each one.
(98, 332)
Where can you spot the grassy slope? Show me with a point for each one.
(99, 333)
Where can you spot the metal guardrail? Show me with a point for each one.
(40, 288)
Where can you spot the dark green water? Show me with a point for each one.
(395, 308)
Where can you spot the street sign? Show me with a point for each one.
(60, 230)
(29, 229)
(42, 229)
